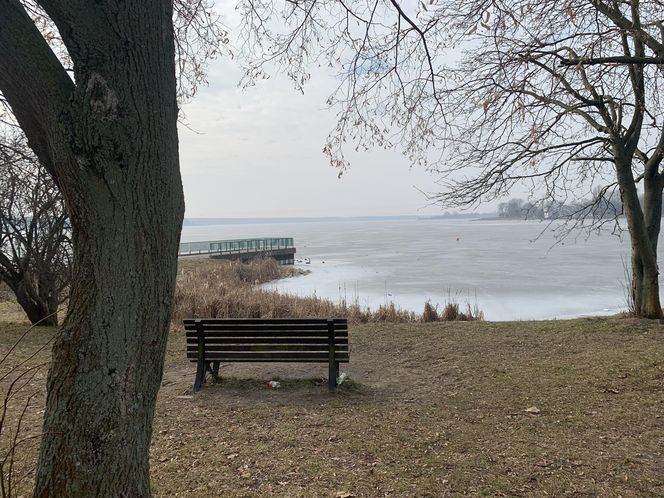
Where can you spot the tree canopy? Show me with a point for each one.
(561, 99)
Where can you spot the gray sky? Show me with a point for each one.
(258, 153)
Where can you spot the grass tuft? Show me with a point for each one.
(430, 313)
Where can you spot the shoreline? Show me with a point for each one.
(417, 302)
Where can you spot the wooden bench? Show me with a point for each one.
(213, 341)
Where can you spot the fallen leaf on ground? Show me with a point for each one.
(533, 409)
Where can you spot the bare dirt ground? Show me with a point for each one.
(431, 410)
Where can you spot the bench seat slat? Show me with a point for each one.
(268, 347)
(284, 356)
(273, 360)
(241, 328)
(266, 340)
(269, 333)
(262, 321)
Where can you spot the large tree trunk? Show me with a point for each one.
(643, 233)
(647, 282)
(107, 362)
(108, 359)
(111, 141)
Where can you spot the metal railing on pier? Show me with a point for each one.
(237, 246)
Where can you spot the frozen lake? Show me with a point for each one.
(497, 264)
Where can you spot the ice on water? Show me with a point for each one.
(502, 266)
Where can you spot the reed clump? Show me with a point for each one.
(453, 312)
(230, 289)
(430, 313)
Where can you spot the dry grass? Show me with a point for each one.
(430, 313)
(222, 289)
(6, 293)
(230, 289)
(24, 353)
(435, 409)
(452, 312)
(446, 417)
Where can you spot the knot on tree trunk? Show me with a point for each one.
(102, 99)
(102, 132)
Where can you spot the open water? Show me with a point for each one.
(502, 266)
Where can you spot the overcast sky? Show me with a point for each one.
(258, 153)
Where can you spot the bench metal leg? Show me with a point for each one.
(331, 376)
(332, 363)
(200, 376)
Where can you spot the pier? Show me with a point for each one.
(282, 249)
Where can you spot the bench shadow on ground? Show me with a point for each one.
(300, 391)
(243, 385)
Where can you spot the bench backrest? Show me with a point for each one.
(292, 340)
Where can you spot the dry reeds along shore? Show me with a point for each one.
(230, 289)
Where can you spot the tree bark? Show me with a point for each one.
(107, 362)
(643, 232)
(111, 139)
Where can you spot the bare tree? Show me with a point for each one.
(35, 243)
(93, 86)
(559, 97)
(35, 247)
